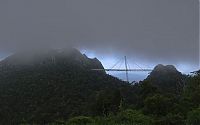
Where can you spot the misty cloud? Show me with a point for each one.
(163, 31)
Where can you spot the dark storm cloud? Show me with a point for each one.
(153, 30)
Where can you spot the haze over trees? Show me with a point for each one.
(58, 86)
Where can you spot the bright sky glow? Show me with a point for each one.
(109, 61)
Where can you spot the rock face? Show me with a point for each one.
(167, 78)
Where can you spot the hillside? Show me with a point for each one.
(49, 86)
(167, 78)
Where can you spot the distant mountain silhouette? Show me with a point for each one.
(167, 78)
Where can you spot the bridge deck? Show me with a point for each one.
(144, 70)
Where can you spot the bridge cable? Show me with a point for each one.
(116, 63)
(121, 64)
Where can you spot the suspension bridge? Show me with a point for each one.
(127, 68)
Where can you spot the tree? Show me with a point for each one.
(80, 120)
(134, 117)
(158, 105)
(193, 117)
(170, 119)
(107, 101)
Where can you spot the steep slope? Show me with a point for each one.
(49, 85)
(166, 78)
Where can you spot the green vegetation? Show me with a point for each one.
(193, 117)
(63, 90)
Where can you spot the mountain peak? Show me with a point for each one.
(161, 67)
(166, 77)
(51, 57)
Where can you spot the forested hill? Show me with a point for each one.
(167, 78)
(51, 85)
(58, 86)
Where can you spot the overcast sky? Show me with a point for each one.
(147, 31)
